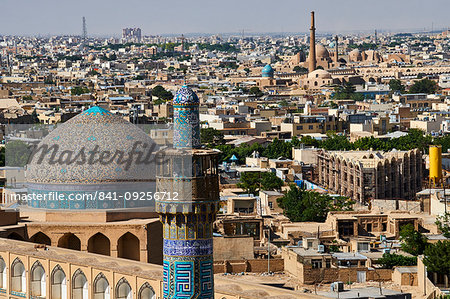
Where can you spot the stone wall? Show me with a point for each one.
(401, 205)
(236, 248)
(253, 266)
(329, 275)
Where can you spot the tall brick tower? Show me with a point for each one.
(312, 45)
(190, 181)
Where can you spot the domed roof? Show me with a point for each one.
(321, 52)
(355, 55)
(186, 96)
(319, 74)
(267, 71)
(332, 45)
(92, 148)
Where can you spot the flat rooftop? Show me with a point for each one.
(369, 292)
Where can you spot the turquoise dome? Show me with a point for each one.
(267, 71)
(95, 151)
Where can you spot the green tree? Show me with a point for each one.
(17, 153)
(93, 73)
(344, 91)
(336, 142)
(79, 90)
(34, 117)
(300, 69)
(249, 182)
(349, 88)
(301, 205)
(270, 182)
(412, 241)
(437, 257)
(211, 137)
(158, 102)
(424, 86)
(2, 156)
(278, 148)
(161, 93)
(443, 223)
(396, 85)
(389, 261)
(252, 182)
(256, 91)
(284, 103)
(241, 152)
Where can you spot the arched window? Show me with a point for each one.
(59, 283)
(80, 288)
(41, 238)
(69, 241)
(128, 247)
(147, 292)
(3, 277)
(99, 244)
(18, 279)
(38, 283)
(101, 287)
(123, 290)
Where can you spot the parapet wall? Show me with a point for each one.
(253, 266)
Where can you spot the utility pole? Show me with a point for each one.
(268, 251)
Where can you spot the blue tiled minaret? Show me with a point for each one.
(186, 119)
(190, 178)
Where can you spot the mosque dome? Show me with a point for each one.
(321, 51)
(322, 74)
(95, 149)
(267, 71)
(186, 96)
(355, 55)
(332, 45)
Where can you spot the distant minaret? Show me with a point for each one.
(84, 29)
(84, 34)
(312, 45)
(376, 38)
(336, 53)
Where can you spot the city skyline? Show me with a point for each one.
(106, 18)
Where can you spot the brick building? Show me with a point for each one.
(366, 175)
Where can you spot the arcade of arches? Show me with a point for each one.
(31, 272)
(135, 239)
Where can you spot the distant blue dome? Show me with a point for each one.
(267, 71)
(332, 45)
(186, 96)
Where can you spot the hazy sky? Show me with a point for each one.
(107, 17)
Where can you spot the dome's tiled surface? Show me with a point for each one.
(186, 96)
(186, 119)
(267, 71)
(93, 130)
